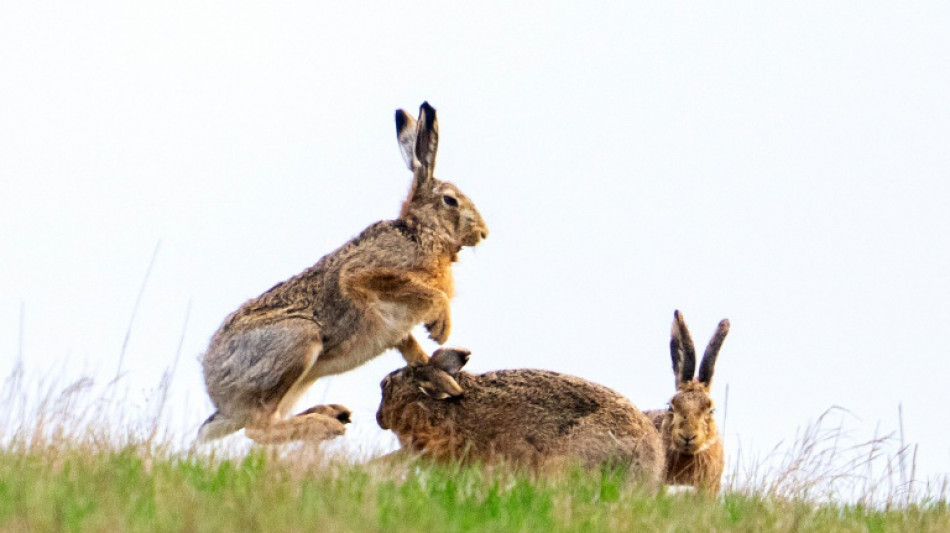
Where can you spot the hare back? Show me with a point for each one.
(261, 371)
(656, 416)
(556, 397)
(532, 417)
(317, 293)
(559, 414)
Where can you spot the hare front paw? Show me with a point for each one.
(439, 329)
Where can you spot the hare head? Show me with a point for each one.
(434, 379)
(689, 421)
(432, 201)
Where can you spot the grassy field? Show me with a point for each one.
(69, 487)
(74, 459)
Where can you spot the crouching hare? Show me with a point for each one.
(693, 447)
(529, 418)
(352, 305)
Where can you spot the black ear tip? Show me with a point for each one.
(679, 325)
(401, 119)
(724, 326)
(429, 112)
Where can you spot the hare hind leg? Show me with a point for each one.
(310, 425)
(268, 425)
(320, 422)
(256, 375)
(294, 348)
(332, 410)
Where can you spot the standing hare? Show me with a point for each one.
(352, 305)
(694, 454)
(529, 418)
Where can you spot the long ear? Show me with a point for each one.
(443, 368)
(406, 135)
(712, 352)
(681, 350)
(427, 142)
(449, 360)
(441, 386)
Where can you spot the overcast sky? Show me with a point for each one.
(785, 166)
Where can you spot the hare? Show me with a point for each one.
(352, 305)
(527, 418)
(693, 447)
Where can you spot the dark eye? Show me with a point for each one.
(712, 410)
(450, 201)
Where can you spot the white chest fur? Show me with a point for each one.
(389, 323)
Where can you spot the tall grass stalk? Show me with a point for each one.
(69, 462)
(825, 462)
(135, 310)
(76, 455)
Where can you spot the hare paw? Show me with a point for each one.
(317, 428)
(439, 330)
(313, 426)
(337, 411)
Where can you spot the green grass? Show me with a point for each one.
(71, 487)
(74, 459)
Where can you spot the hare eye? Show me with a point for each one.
(712, 410)
(450, 201)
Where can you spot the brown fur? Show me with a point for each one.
(353, 304)
(694, 452)
(530, 418)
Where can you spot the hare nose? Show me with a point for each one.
(687, 439)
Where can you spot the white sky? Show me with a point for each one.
(785, 166)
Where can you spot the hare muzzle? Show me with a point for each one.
(475, 231)
(475, 237)
(688, 443)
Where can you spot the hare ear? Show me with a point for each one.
(441, 386)
(427, 142)
(712, 352)
(406, 135)
(682, 351)
(449, 360)
(441, 373)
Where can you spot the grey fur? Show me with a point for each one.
(353, 304)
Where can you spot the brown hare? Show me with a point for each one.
(352, 305)
(694, 453)
(528, 418)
